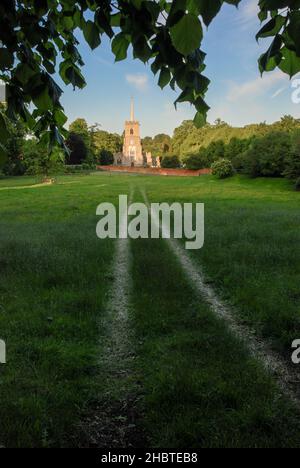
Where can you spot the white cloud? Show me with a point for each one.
(247, 17)
(256, 87)
(278, 92)
(104, 61)
(255, 100)
(139, 81)
(251, 10)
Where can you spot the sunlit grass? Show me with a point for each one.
(201, 388)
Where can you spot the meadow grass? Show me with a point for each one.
(200, 386)
(252, 247)
(54, 280)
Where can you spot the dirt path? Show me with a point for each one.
(287, 378)
(114, 421)
(23, 187)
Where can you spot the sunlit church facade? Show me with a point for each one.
(133, 154)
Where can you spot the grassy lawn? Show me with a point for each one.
(252, 247)
(54, 278)
(200, 387)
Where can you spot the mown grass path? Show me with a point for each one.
(113, 421)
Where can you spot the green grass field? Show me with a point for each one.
(191, 382)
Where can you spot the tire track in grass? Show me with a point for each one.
(113, 423)
(288, 379)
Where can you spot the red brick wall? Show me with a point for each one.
(155, 171)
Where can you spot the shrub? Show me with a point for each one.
(292, 161)
(235, 151)
(71, 169)
(215, 151)
(250, 163)
(267, 155)
(170, 162)
(197, 161)
(235, 148)
(106, 158)
(222, 168)
(38, 161)
(88, 166)
(78, 149)
(297, 185)
(14, 165)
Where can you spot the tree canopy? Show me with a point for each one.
(38, 39)
(158, 145)
(189, 139)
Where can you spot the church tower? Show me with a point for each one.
(132, 149)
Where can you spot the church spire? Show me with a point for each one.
(132, 110)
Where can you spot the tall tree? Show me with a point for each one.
(111, 142)
(77, 147)
(80, 127)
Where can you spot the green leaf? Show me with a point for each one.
(270, 64)
(60, 117)
(70, 73)
(137, 3)
(4, 133)
(290, 63)
(272, 27)
(199, 82)
(177, 11)
(141, 49)
(263, 15)
(164, 77)
(273, 51)
(115, 20)
(67, 22)
(103, 21)
(200, 120)
(43, 101)
(187, 34)
(201, 105)
(271, 5)
(233, 2)
(209, 9)
(187, 95)
(3, 155)
(293, 30)
(91, 34)
(74, 76)
(6, 58)
(120, 46)
(24, 73)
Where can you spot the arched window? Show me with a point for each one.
(131, 131)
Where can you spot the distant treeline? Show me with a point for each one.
(257, 149)
(188, 139)
(88, 146)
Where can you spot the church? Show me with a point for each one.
(133, 154)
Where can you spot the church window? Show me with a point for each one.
(131, 131)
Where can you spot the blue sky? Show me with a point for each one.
(237, 93)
